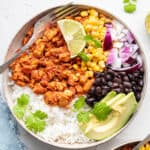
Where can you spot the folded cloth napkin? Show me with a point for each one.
(9, 134)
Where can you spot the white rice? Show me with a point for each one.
(61, 126)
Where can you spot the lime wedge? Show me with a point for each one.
(147, 22)
(73, 33)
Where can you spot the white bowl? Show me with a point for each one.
(16, 43)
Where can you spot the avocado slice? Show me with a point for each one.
(109, 96)
(122, 109)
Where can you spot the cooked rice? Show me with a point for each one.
(62, 126)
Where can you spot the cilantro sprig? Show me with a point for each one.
(36, 121)
(129, 5)
(90, 39)
(83, 56)
(21, 106)
(101, 110)
(83, 117)
(79, 103)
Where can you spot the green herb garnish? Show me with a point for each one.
(19, 111)
(90, 39)
(130, 8)
(20, 108)
(40, 114)
(83, 117)
(101, 110)
(79, 103)
(126, 1)
(35, 121)
(83, 56)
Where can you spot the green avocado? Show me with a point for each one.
(122, 108)
(109, 96)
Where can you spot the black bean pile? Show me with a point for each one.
(118, 81)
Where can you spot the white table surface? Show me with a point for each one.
(14, 13)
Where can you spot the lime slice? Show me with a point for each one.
(147, 22)
(73, 33)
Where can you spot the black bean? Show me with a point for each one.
(122, 73)
(130, 76)
(139, 88)
(115, 85)
(133, 83)
(97, 81)
(118, 80)
(141, 83)
(134, 88)
(118, 90)
(97, 74)
(110, 83)
(140, 76)
(138, 96)
(121, 86)
(127, 84)
(92, 90)
(108, 77)
(90, 101)
(142, 70)
(103, 80)
(88, 95)
(127, 90)
(98, 90)
(136, 79)
(104, 92)
(110, 71)
(116, 74)
(125, 78)
(136, 74)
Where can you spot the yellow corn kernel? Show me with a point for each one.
(93, 12)
(88, 27)
(84, 13)
(101, 70)
(101, 64)
(90, 56)
(95, 34)
(89, 74)
(83, 64)
(96, 68)
(84, 68)
(75, 66)
(106, 53)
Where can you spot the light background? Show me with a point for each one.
(14, 13)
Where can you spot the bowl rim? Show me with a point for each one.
(137, 140)
(86, 145)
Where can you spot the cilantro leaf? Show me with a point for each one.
(23, 100)
(101, 110)
(19, 111)
(79, 103)
(40, 114)
(83, 56)
(83, 117)
(90, 39)
(20, 108)
(130, 8)
(126, 1)
(34, 123)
